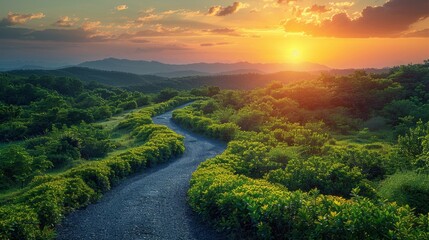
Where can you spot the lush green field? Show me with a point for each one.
(335, 158)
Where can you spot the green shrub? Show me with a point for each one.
(18, 222)
(330, 177)
(407, 188)
(34, 214)
(256, 209)
(373, 164)
(77, 194)
(283, 154)
(224, 131)
(142, 133)
(128, 105)
(96, 176)
(187, 118)
(134, 120)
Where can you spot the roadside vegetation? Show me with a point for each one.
(340, 157)
(66, 143)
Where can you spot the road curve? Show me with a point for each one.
(151, 205)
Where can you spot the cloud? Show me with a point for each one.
(420, 34)
(223, 31)
(66, 22)
(87, 26)
(53, 35)
(389, 20)
(88, 32)
(285, 1)
(139, 40)
(342, 5)
(207, 44)
(16, 18)
(157, 30)
(67, 35)
(163, 48)
(121, 7)
(318, 9)
(214, 44)
(223, 11)
(148, 18)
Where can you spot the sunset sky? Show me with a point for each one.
(339, 34)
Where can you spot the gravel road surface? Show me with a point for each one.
(150, 205)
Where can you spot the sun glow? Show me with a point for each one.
(295, 55)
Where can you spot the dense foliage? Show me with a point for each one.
(34, 105)
(312, 160)
(34, 213)
(65, 164)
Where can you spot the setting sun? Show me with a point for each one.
(295, 55)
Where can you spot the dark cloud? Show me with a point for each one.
(83, 34)
(16, 18)
(55, 35)
(223, 11)
(319, 9)
(389, 20)
(14, 33)
(69, 35)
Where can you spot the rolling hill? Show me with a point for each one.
(152, 83)
(156, 68)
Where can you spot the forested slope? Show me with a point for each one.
(151, 83)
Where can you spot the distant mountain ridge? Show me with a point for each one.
(168, 70)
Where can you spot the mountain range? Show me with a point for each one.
(196, 69)
(151, 76)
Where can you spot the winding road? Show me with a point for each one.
(151, 205)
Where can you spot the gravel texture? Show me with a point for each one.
(150, 205)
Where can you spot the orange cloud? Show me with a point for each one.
(223, 11)
(91, 25)
(213, 44)
(223, 31)
(66, 22)
(121, 7)
(16, 18)
(418, 34)
(389, 20)
(342, 5)
(319, 9)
